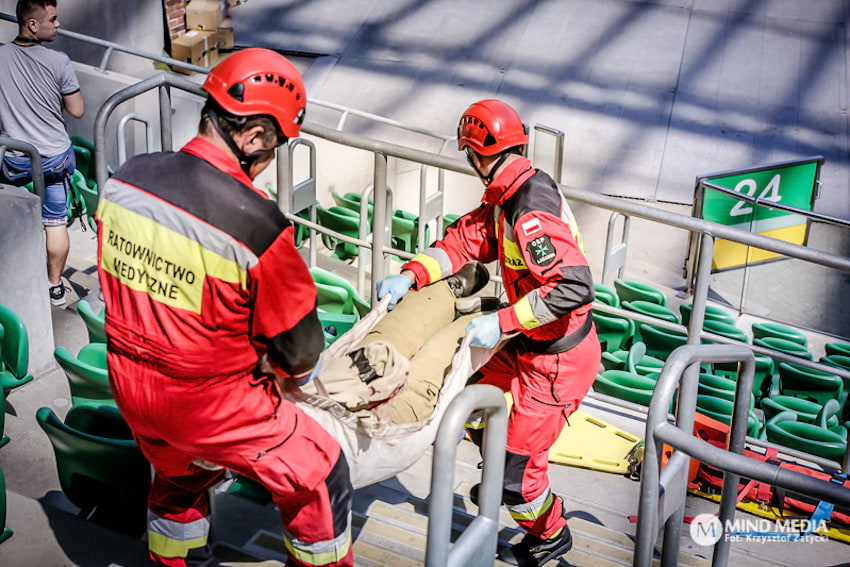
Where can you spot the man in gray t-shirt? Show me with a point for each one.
(36, 85)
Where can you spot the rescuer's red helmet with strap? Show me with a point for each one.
(260, 81)
(489, 127)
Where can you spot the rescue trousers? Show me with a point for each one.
(422, 328)
(545, 389)
(241, 423)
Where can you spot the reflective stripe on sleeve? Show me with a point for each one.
(525, 314)
(436, 262)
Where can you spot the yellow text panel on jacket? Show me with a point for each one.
(169, 267)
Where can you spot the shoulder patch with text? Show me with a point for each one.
(541, 250)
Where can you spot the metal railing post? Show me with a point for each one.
(615, 254)
(379, 222)
(476, 546)
(166, 135)
(122, 136)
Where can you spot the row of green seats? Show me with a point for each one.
(14, 372)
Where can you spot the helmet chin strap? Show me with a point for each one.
(487, 179)
(245, 160)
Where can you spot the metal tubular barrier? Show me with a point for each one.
(662, 492)
(159, 81)
(122, 136)
(476, 546)
(615, 255)
(35, 158)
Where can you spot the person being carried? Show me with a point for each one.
(525, 223)
(203, 286)
(36, 85)
(395, 373)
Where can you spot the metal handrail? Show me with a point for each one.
(35, 160)
(476, 547)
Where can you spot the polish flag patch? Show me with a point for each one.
(530, 227)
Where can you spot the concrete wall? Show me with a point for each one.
(23, 277)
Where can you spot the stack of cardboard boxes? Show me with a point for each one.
(207, 30)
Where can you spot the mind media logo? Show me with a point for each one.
(706, 529)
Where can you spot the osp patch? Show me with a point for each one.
(541, 250)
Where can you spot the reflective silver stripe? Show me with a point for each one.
(439, 255)
(332, 548)
(539, 308)
(533, 509)
(184, 224)
(178, 530)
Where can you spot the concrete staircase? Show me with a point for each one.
(390, 527)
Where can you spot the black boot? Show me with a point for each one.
(534, 552)
(473, 494)
(471, 278)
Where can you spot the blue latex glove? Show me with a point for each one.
(396, 286)
(307, 378)
(485, 331)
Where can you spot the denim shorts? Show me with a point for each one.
(57, 179)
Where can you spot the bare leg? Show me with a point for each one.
(58, 244)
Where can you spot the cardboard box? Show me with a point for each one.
(225, 34)
(196, 47)
(204, 15)
(224, 38)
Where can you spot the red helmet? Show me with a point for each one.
(260, 81)
(490, 127)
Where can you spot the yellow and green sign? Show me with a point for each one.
(774, 192)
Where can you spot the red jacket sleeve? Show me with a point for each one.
(471, 237)
(284, 317)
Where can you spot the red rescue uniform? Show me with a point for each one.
(201, 280)
(525, 223)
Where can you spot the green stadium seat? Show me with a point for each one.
(626, 386)
(805, 411)
(14, 351)
(784, 429)
(712, 313)
(761, 330)
(88, 379)
(651, 309)
(721, 410)
(633, 291)
(606, 295)
(837, 348)
(661, 342)
(785, 346)
(614, 332)
(5, 531)
(94, 322)
(341, 295)
(101, 469)
(809, 383)
(628, 360)
(4, 439)
(335, 324)
(345, 222)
